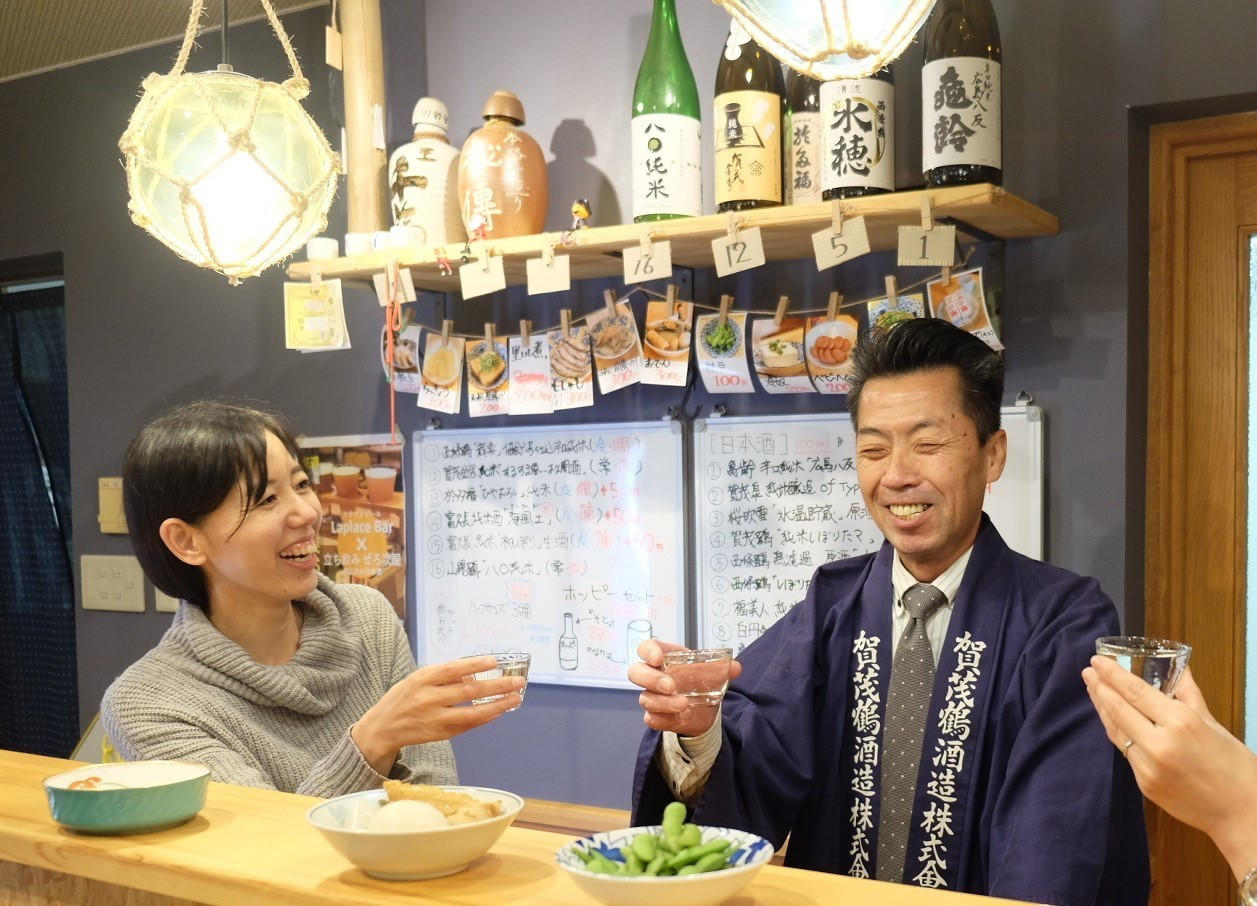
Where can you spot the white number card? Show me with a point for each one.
(738, 252)
(477, 280)
(657, 265)
(834, 248)
(935, 247)
(553, 276)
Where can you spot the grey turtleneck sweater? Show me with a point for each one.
(199, 697)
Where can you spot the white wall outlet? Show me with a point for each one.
(165, 603)
(112, 583)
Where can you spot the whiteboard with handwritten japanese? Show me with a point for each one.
(778, 496)
(565, 542)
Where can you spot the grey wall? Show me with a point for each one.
(147, 330)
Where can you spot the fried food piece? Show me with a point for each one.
(459, 808)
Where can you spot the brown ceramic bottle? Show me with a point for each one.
(502, 183)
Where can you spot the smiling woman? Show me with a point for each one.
(271, 674)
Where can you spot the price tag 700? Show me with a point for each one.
(738, 252)
(833, 248)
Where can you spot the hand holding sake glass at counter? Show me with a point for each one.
(681, 687)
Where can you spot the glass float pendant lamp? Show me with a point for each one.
(831, 39)
(228, 171)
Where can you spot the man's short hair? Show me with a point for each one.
(922, 344)
(184, 465)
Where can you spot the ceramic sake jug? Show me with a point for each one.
(423, 178)
(502, 182)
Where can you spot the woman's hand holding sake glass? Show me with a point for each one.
(676, 708)
(432, 704)
(1182, 758)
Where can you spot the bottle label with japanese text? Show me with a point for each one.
(667, 165)
(748, 146)
(859, 117)
(960, 97)
(805, 135)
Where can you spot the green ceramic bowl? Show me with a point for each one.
(128, 797)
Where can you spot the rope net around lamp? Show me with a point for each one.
(830, 39)
(228, 171)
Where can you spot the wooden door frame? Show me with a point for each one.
(1195, 491)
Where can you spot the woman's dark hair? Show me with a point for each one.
(183, 465)
(925, 343)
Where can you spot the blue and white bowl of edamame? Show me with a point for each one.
(745, 855)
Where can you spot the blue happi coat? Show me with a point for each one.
(1020, 793)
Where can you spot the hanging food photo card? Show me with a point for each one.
(571, 372)
(960, 298)
(888, 311)
(777, 352)
(530, 392)
(314, 316)
(488, 377)
(829, 345)
(721, 350)
(617, 349)
(405, 371)
(666, 342)
(441, 385)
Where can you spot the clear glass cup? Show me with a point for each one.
(701, 674)
(1160, 662)
(510, 663)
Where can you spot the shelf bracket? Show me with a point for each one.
(969, 229)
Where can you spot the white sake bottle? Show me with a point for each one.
(423, 179)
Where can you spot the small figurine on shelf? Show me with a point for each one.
(478, 227)
(581, 212)
(443, 263)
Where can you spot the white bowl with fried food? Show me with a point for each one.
(395, 851)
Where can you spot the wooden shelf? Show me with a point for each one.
(981, 212)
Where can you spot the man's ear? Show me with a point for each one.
(184, 541)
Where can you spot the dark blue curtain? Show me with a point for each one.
(38, 674)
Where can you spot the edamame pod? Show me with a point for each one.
(692, 854)
(673, 819)
(712, 862)
(691, 835)
(646, 846)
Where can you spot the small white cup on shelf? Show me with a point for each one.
(322, 248)
(357, 243)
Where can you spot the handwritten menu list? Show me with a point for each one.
(567, 543)
(776, 502)
(778, 496)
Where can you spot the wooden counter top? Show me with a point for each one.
(251, 846)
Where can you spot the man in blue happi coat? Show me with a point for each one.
(1013, 789)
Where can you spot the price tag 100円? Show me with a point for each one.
(935, 247)
(738, 251)
(653, 265)
(832, 248)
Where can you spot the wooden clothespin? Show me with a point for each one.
(837, 217)
(547, 254)
(447, 327)
(525, 330)
(946, 274)
(726, 302)
(565, 322)
(609, 295)
(927, 218)
(484, 258)
(316, 278)
(488, 334)
(671, 294)
(892, 294)
(644, 242)
(835, 300)
(782, 304)
(733, 226)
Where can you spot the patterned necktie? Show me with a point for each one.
(911, 682)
